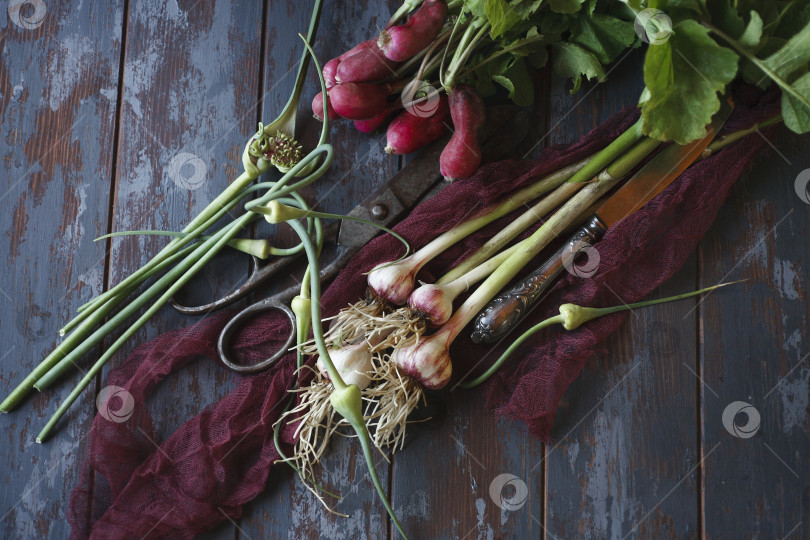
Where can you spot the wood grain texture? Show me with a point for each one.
(754, 351)
(625, 454)
(58, 83)
(640, 451)
(188, 108)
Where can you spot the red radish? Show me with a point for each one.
(359, 101)
(404, 41)
(369, 64)
(317, 107)
(371, 124)
(330, 68)
(408, 133)
(462, 155)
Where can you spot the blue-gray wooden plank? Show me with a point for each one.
(58, 85)
(626, 433)
(190, 80)
(754, 352)
(287, 509)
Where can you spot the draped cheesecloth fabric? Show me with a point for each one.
(219, 460)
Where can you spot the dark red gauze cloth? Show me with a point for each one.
(220, 459)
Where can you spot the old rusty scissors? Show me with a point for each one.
(385, 206)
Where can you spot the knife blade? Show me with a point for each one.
(507, 310)
(507, 128)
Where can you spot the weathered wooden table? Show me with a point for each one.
(132, 114)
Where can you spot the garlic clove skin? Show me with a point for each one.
(433, 302)
(427, 361)
(393, 282)
(353, 362)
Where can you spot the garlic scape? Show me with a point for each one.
(571, 317)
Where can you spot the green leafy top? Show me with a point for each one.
(695, 48)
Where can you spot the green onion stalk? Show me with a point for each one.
(428, 361)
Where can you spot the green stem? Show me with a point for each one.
(582, 315)
(608, 154)
(517, 343)
(258, 247)
(206, 250)
(783, 84)
(497, 54)
(212, 213)
(459, 59)
(625, 163)
(368, 453)
(277, 213)
(171, 282)
(315, 295)
(559, 221)
(346, 399)
(121, 296)
(458, 24)
(721, 142)
(404, 9)
(508, 233)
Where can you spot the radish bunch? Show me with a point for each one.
(365, 86)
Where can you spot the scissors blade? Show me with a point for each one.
(403, 190)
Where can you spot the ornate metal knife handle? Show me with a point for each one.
(505, 311)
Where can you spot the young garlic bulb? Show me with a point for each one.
(428, 361)
(353, 362)
(394, 281)
(433, 302)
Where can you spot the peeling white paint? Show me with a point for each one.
(67, 68)
(786, 279)
(573, 452)
(485, 530)
(609, 477)
(795, 396)
(794, 340)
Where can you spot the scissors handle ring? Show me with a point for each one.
(259, 274)
(232, 326)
